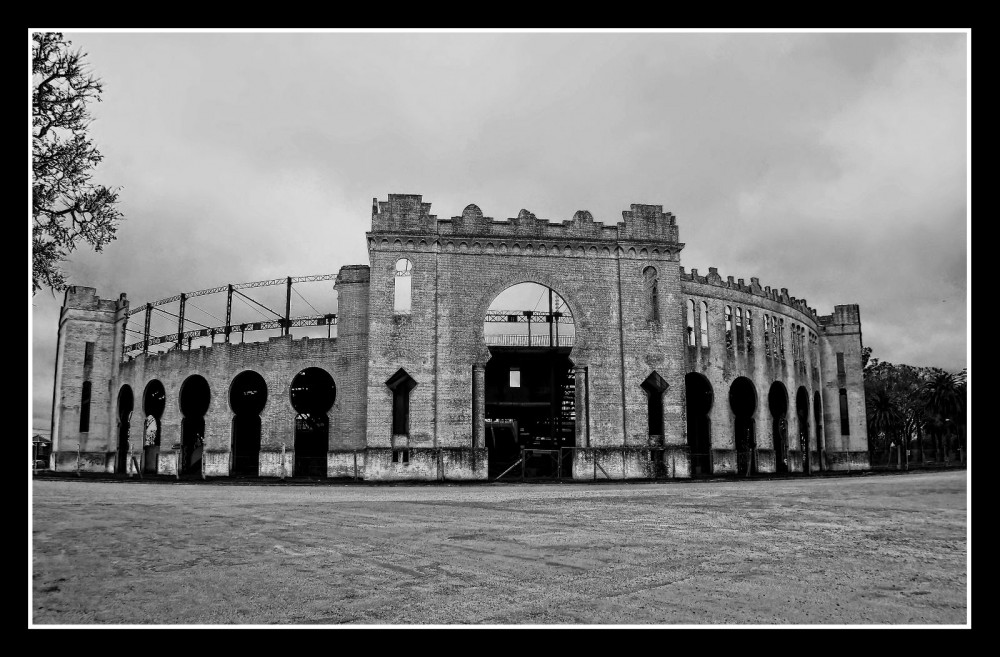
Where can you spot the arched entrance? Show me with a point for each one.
(818, 415)
(698, 392)
(126, 402)
(154, 401)
(777, 402)
(802, 410)
(743, 402)
(195, 398)
(247, 397)
(530, 384)
(312, 393)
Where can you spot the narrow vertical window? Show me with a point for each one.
(729, 328)
(749, 331)
(704, 323)
(781, 338)
(840, 364)
(88, 355)
(651, 293)
(845, 425)
(690, 324)
(85, 408)
(739, 329)
(767, 335)
(515, 377)
(403, 286)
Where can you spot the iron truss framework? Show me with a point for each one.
(527, 316)
(284, 323)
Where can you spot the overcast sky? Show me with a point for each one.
(831, 164)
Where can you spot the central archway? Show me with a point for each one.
(530, 383)
(802, 410)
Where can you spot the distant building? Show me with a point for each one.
(657, 372)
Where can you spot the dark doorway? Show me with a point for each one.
(126, 402)
(154, 401)
(777, 402)
(743, 402)
(247, 397)
(802, 410)
(698, 392)
(818, 415)
(195, 399)
(313, 393)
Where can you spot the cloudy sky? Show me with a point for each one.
(831, 164)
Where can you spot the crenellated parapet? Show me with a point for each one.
(406, 215)
(753, 288)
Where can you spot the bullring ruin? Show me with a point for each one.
(434, 367)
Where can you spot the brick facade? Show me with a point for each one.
(624, 335)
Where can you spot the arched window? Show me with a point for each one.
(739, 329)
(403, 286)
(690, 324)
(729, 328)
(651, 294)
(749, 331)
(704, 323)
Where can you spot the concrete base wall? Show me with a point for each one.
(765, 461)
(602, 463)
(216, 463)
(848, 461)
(103, 462)
(346, 465)
(723, 461)
(276, 463)
(444, 464)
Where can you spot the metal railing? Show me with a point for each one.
(514, 340)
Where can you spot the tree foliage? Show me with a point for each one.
(905, 402)
(67, 207)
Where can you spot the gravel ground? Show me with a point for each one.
(876, 549)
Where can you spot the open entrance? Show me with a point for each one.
(313, 393)
(818, 416)
(247, 397)
(195, 398)
(154, 401)
(699, 402)
(743, 402)
(802, 410)
(777, 402)
(530, 412)
(126, 402)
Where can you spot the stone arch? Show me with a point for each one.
(195, 398)
(247, 399)
(777, 403)
(699, 398)
(126, 404)
(743, 405)
(312, 393)
(802, 412)
(154, 403)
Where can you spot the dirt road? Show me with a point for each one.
(855, 550)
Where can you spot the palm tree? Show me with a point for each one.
(942, 396)
(885, 418)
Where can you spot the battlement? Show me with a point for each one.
(843, 315)
(353, 274)
(408, 214)
(79, 297)
(778, 295)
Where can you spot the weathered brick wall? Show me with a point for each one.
(722, 366)
(841, 333)
(278, 361)
(461, 265)
(349, 424)
(85, 318)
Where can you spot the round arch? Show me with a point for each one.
(126, 404)
(802, 412)
(194, 399)
(699, 398)
(247, 399)
(777, 404)
(743, 405)
(312, 394)
(154, 403)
